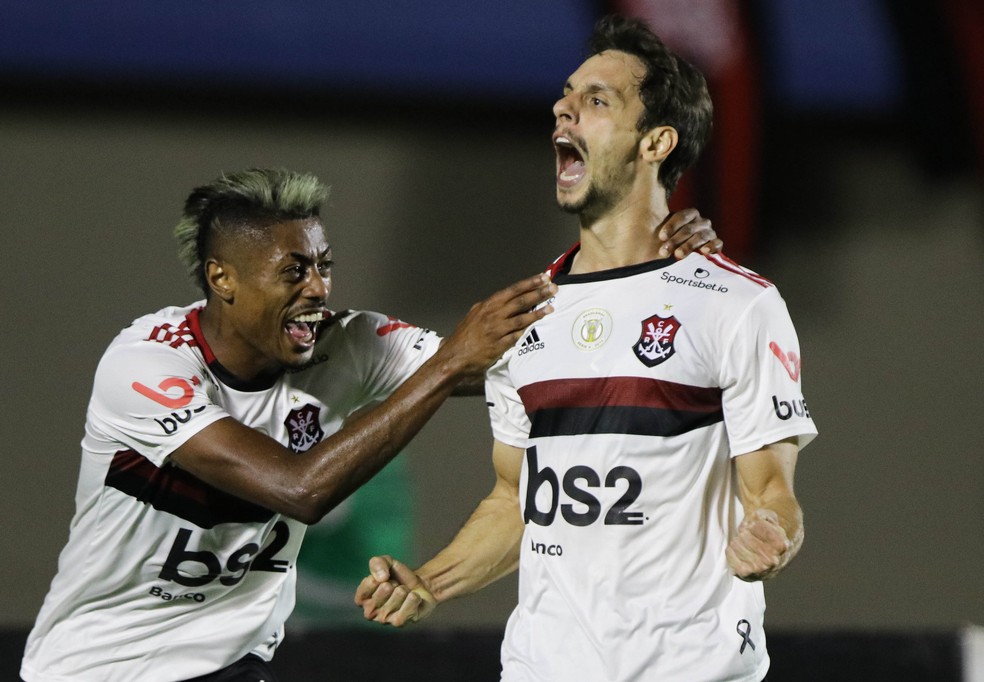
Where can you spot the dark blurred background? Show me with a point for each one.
(846, 165)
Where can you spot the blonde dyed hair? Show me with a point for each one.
(243, 201)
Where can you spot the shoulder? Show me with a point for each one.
(719, 266)
(156, 364)
(163, 337)
(718, 282)
(369, 323)
(721, 295)
(365, 330)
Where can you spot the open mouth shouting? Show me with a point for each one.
(570, 161)
(303, 328)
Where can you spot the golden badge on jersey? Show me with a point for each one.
(591, 329)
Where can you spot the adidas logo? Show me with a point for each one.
(531, 343)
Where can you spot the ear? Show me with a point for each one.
(657, 144)
(221, 278)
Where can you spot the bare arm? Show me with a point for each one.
(484, 550)
(470, 386)
(254, 467)
(771, 533)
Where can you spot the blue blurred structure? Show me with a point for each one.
(833, 55)
(508, 48)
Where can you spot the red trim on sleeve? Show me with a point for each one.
(195, 324)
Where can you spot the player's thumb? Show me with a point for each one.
(379, 567)
(404, 574)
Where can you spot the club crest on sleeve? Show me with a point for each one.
(655, 344)
(304, 427)
(790, 361)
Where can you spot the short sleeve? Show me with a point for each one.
(149, 398)
(507, 415)
(387, 351)
(761, 378)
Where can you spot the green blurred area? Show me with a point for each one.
(377, 519)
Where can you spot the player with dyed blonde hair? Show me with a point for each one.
(215, 434)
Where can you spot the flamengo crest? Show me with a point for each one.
(655, 344)
(304, 427)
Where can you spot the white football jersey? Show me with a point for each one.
(630, 400)
(165, 577)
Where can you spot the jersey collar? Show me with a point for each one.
(560, 269)
(260, 383)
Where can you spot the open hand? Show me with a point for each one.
(492, 326)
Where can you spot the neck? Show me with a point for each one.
(238, 358)
(624, 235)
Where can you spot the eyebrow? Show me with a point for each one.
(304, 258)
(595, 88)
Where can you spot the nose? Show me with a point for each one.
(563, 109)
(318, 286)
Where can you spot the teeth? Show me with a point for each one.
(310, 317)
(563, 141)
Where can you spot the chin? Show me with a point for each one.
(570, 203)
(298, 358)
(573, 205)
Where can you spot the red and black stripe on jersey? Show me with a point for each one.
(631, 405)
(175, 491)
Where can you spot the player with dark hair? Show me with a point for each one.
(646, 431)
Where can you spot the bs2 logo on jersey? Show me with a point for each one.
(589, 507)
(197, 567)
(166, 395)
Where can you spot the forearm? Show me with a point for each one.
(771, 533)
(340, 464)
(253, 466)
(470, 386)
(484, 550)
(350, 457)
(789, 513)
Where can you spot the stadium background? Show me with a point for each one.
(846, 166)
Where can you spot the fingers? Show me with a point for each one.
(686, 231)
(404, 575)
(712, 246)
(393, 594)
(525, 285)
(379, 573)
(496, 323)
(379, 567)
(678, 220)
(394, 604)
(524, 295)
(760, 547)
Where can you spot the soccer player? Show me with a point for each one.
(208, 441)
(218, 430)
(646, 432)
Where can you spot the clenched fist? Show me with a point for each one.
(760, 549)
(393, 594)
